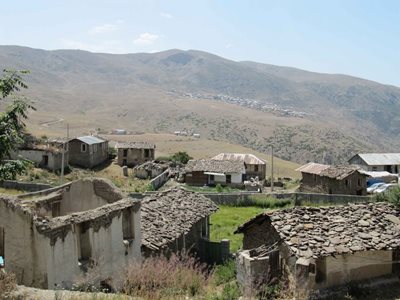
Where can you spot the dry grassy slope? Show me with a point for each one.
(168, 144)
(105, 91)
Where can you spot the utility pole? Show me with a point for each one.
(272, 168)
(63, 155)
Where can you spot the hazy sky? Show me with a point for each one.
(360, 38)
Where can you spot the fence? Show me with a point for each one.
(24, 186)
(214, 252)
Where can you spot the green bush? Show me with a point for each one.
(219, 188)
(225, 273)
(394, 196)
(181, 157)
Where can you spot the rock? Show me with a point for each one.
(363, 223)
(365, 236)
(392, 218)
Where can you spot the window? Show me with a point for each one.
(228, 178)
(125, 153)
(85, 248)
(128, 232)
(374, 168)
(124, 162)
(359, 181)
(45, 160)
(83, 147)
(256, 168)
(346, 182)
(146, 153)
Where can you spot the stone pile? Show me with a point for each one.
(315, 232)
(165, 216)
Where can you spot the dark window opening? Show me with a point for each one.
(374, 168)
(83, 148)
(146, 152)
(45, 159)
(320, 275)
(256, 168)
(346, 182)
(85, 248)
(212, 178)
(128, 231)
(228, 178)
(125, 153)
(56, 209)
(359, 181)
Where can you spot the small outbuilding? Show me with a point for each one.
(175, 220)
(322, 250)
(211, 172)
(87, 151)
(345, 180)
(134, 153)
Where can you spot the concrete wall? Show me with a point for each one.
(94, 155)
(250, 271)
(37, 156)
(160, 180)
(134, 157)
(108, 251)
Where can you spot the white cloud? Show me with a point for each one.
(146, 39)
(105, 28)
(166, 15)
(228, 46)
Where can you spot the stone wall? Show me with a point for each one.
(159, 181)
(94, 155)
(24, 186)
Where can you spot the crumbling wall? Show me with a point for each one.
(261, 233)
(251, 270)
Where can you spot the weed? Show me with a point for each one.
(8, 283)
(225, 273)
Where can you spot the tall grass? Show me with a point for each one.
(264, 201)
(8, 283)
(163, 277)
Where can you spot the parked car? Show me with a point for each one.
(385, 188)
(373, 187)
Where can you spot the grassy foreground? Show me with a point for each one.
(227, 219)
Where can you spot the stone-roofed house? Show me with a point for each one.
(87, 151)
(345, 180)
(134, 153)
(51, 237)
(211, 172)
(389, 162)
(322, 248)
(175, 220)
(255, 167)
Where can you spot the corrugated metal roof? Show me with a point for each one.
(377, 174)
(135, 145)
(379, 159)
(89, 139)
(250, 159)
(312, 168)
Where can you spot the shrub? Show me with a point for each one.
(219, 188)
(181, 157)
(225, 273)
(8, 283)
(163, 277)
(394, 196)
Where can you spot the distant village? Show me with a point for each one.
(334, 235)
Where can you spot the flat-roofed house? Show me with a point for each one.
(255, 167)
(87, 151)
(134, 153)
(389, 162)
(211, 172)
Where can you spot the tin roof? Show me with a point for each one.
(379, 159)
(135, 145)
(247, 158)
(312, 168)
(89, 139)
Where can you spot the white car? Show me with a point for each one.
(374, 186)
(384, 188)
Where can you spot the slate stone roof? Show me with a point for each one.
(312, 168)
(165, 216)
(339, 172)
(317, 232)
(135, 145)
(216, 166)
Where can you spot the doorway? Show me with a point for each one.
(45, 160)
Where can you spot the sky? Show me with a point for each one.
(354, 37)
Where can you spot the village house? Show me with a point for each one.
(50, 238)
(175, 220)
(255, 167)
(211, 172)
(43, 156)
(134, 153)
(389, 162)
(344, 180)
(322, 250)
(87, 151)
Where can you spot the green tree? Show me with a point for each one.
(12, 126)
(181, 157)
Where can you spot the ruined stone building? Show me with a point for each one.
(322, 250)
(212, 172)
(150, 169)
(254, 166)
(134, 153)
(49, 238)
(344, 180)
(175, 220)
(87, 151)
